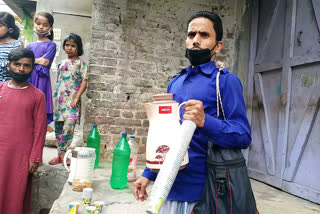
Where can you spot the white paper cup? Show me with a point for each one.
(74, 207)
(99, 206)
(87, 196)
(91, 210)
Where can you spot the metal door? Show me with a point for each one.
(283, 95)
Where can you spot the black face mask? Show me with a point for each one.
(199, 57)
(18, 77)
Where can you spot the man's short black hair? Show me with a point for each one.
(19, 53)
(217, 23)
(77, 39)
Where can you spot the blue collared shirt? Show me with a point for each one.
(199, 83)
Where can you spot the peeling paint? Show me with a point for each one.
(308, 80)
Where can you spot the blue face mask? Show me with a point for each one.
(199, 57)
(18, 77)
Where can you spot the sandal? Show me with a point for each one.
(68, 161)
(55, 161)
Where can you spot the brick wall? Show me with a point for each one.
(136, 47)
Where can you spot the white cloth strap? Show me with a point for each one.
(219, 100)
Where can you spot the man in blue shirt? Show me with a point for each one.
(197, 85)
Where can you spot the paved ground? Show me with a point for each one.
(269, 199)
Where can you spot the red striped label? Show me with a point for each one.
(165, 109)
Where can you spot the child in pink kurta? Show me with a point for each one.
(22, 134)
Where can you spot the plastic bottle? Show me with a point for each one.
(120, 163)
(132, 171)
(93, 141)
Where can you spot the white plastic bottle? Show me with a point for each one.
(132, 171)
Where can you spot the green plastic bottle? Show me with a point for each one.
(93, 141)
(120, 163)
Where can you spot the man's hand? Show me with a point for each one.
(42, 61)
(194, 111)
(33, 167)
(74, 102)
(139, 188)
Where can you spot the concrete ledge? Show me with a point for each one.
(116, 201)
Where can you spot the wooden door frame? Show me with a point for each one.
(252, 53)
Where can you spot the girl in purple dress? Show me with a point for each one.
(44, 50)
